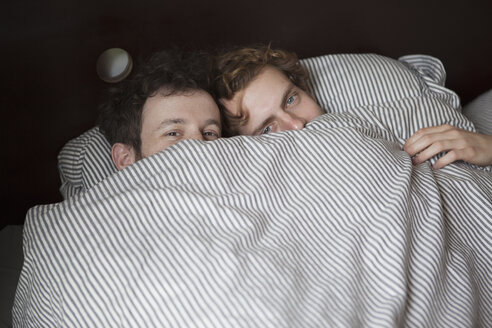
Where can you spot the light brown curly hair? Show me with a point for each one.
(237, 67)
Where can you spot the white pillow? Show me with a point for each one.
(346, 81)
(374, 85)
(83, 162)
(479, 111)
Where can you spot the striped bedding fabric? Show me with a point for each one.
(328, 226)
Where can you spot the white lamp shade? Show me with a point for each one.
(113, 65)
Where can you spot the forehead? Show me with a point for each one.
(193, 105)
(264, 92)
(264, 87)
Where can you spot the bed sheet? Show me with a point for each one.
(329, 226)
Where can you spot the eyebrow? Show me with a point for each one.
(212, 122)
(172, 121)
(284, 98)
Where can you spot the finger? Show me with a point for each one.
(433, 149)
(447, 159)
(443, 141)
(424, 137)
(430, 130)
(457, 145)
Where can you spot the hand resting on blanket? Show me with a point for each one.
(462, 145)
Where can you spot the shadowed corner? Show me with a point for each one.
(10, 267)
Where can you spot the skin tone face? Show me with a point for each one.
(273, 103)
(167, 120)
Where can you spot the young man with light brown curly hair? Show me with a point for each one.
(263, 90)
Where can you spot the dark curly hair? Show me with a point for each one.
(235, 68)
(167, 72)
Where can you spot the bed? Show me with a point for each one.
(328, 226)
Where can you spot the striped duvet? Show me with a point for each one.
(329, 226)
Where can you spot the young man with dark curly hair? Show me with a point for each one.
(165, 101)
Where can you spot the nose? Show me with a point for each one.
(292, 122)
(194, 135)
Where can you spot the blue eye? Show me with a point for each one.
(267, 130)
(291, 100)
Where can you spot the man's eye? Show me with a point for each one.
(291, 99)
(267, 130)
(172, 134)
(211, 135)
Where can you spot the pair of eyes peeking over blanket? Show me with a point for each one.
(167, 120)
(273, 97)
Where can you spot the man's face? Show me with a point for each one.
(272, 104)
(167, 120)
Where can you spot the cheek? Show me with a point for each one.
(152, 147)
(312, 110)
(317, 109)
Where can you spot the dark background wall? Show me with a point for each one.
(50, 90)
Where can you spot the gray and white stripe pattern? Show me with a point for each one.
(479, 111)
(351, 82)
(346, 81)
(84, 162)
(329, 226)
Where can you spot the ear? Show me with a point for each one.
(123, 155)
